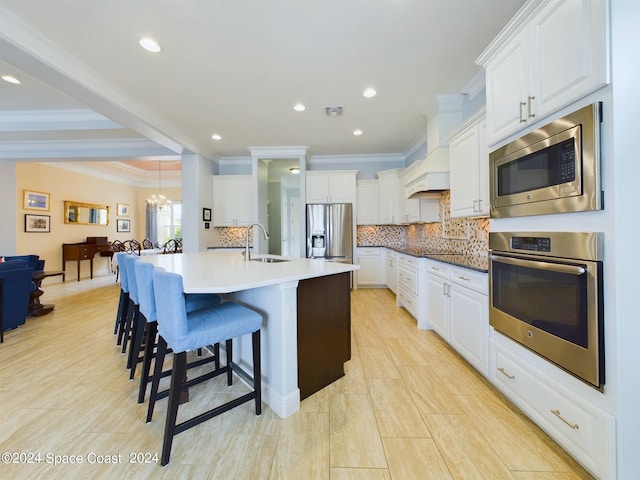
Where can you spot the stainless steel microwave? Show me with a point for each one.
(553, 169)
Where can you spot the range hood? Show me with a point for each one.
(429, 177)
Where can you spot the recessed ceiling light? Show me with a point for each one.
(150, 45)
(298, 107)
(295, 170)
(10, 79)
(215, 136)
(369, 92)
(357, 132)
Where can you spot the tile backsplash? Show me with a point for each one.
(461, 235)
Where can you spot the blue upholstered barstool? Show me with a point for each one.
(184, 331)
(123, 304)
(147, 319)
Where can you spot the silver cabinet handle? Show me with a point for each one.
(464, 278)
(522, 104)
(475, 205)
(531, 115)
(573, 426)
(479, 204)
(504, 372)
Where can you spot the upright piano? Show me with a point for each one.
(85, 251)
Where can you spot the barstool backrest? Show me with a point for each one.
(146, 301)
(128, 264)
(170, 308)
(124, 281)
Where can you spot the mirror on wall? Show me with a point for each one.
(85, 213)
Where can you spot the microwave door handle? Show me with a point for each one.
(553, 267)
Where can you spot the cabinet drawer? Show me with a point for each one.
(408, 279)
(580, 427)
(408, 301)
(438, 268)
(408, 261)
(477, 281)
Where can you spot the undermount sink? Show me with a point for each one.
(269, 260)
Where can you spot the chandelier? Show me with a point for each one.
(158, 200)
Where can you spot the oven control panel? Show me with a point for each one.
(536, 244)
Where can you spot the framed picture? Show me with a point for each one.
(36, 200)
(123, 225)
(37, 223)
(123, 209)
(206, 214)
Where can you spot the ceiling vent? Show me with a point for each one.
(334, 111)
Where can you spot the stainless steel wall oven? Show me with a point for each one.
(546, 294)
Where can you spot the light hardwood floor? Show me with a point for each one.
(408, 408)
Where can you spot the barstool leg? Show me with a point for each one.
(150, 340)
(178, 374)
(123, 317)
(157, 373)
(229, 360)
(257, 372)
(136, 344)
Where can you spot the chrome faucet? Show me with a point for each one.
(247, 252)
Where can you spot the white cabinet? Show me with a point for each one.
(584, 430)
(390, 270)
(548, 56)
(232, 200)
(420, 210)
(331, 186)
(469, 168)
(367, 202)
(457, 310)
(409, 292)
(389, 207)
(371, 261)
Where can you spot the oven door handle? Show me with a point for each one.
(553, 267)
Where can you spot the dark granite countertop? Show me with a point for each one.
(479, 263)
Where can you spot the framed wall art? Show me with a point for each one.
(123, 225)
(35, 200)
(206, 214)
(37, 223)
(123, 209)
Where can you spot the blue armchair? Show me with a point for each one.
(32, 261)
(17, 286)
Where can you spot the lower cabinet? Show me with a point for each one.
(458, 310)
(390, 270)
(408, 286)
(584, 430)
(371, 261)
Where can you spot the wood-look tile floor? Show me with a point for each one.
(408, 408)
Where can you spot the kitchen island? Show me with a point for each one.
(305, 304)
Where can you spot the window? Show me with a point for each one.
(169, 222)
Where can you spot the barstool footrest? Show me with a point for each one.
(192, 422)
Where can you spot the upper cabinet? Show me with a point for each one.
(331, 186)
(367, 202)
(469, 168)
(549, 55)
(389, 207)
(232, 200)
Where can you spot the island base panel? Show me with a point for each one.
(324, 331)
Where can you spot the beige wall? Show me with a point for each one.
(65, 185)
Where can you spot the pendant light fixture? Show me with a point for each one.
(158, 200)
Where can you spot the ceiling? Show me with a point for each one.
(89, 92)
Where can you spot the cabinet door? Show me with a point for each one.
(243, 199)
(507, 88)
(463, 157)
(483, 169)
(569, 52)
(390, 271)
(367, 202)
(223, 208)
(470, 326)
(341, 188)
(369, 273)
(317, 188)
(437, 306)
(389, 211)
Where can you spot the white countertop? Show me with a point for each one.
(216, 271)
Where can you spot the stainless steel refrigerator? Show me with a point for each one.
(330, 231)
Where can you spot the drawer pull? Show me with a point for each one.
(573, 426)
(466, 279)
(502, 371)
(435, 268)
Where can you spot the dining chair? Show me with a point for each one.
(184, 331)
(169, 246)
(123, 304)
(147, 318)
(147, 244)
